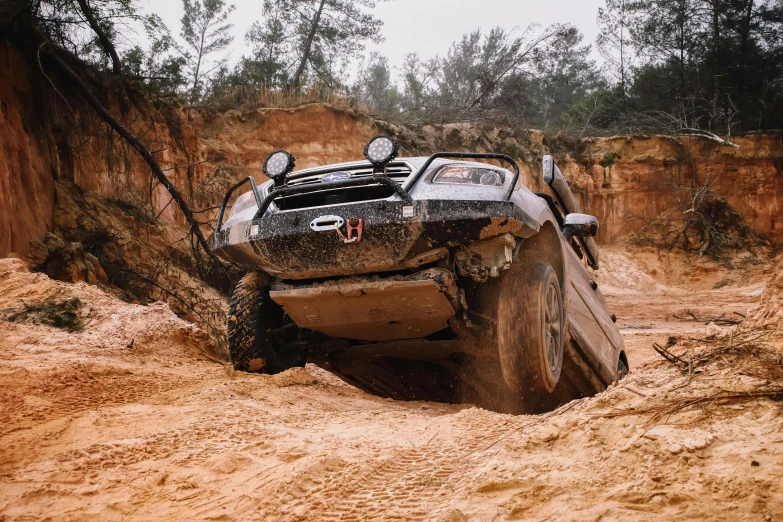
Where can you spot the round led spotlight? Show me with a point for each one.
(381, 150)
(278, 164)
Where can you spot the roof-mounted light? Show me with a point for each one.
(278, 165)
(380, 150)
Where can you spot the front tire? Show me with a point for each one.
(530, 332)
(259, 338)
(521, 364)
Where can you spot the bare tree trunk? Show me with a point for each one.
(622, 51)
(128, 136)
(681, 42)
(194, 91)
(745, 36)
(106, 43)
(297, 80)
(716, 64)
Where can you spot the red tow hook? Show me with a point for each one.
(354, 225)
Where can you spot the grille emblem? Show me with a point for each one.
(336, 176)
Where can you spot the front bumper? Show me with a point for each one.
(394, 232)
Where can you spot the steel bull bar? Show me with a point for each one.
(381, 179)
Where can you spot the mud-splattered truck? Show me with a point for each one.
(426, 278)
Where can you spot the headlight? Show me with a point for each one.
(460, 174)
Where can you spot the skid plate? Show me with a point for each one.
(369, 311)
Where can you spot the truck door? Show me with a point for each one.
(589, 324)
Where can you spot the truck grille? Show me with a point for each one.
(317, 197)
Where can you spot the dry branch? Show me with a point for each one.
(128, 136)
(708, 135)
(746, 352)
(106, 42)
(669, 356)
(720, 398)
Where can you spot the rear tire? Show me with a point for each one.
(259, 339)
(622, 369)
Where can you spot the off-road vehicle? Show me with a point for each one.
(426, 278)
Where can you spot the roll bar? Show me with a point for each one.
(256, 194)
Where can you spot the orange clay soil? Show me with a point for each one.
(132, 418)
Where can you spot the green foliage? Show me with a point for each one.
(310, 40)
(417, 78)
(670, 65)
(375, 88)
(561, 75)
(612, 42)
(52, 312)
(475, 67)
(159, 69)
(707, 64)
(609, 158)
(268, 64)
(64, 24)
(483, 76)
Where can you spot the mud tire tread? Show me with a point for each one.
(246, 342)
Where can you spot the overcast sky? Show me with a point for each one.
(426, 26)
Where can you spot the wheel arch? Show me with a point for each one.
(544, 245)
(623, 357)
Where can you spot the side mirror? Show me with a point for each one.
(549, 169)
(579, 225)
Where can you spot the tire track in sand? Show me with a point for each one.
(415, 484)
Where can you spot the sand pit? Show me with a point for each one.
(131, 417)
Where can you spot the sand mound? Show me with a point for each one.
(769, 311)
(80, 314)
(621, 271)
(293, 377)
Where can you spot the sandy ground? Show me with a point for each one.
(131, 418)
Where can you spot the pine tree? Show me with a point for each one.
(319, 36)
(613, 39)
(271, 49)
(205, 31)
(562, 75)
(375, 87)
